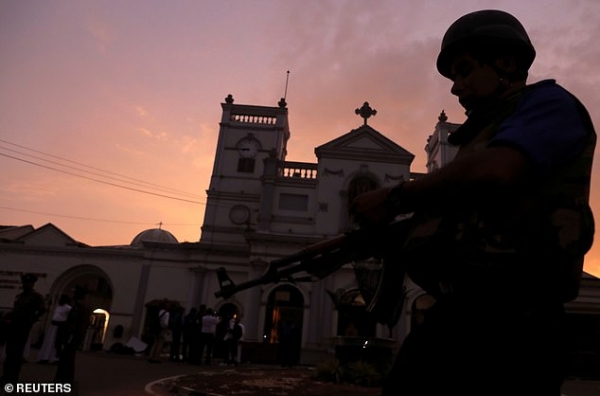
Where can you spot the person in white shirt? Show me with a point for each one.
(207, 335)
(52, 339)
(235, 333)
(161, 337)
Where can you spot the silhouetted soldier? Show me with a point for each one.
(27, 309)
(500, 232)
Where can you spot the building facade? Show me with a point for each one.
(260, 208)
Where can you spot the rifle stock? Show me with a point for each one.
(321, 259)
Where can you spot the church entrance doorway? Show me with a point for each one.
(283, 323)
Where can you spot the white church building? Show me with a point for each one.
(260, 208)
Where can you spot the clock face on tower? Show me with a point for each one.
(239, 214)
(248, 147)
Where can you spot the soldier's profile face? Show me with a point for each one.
(472, 80)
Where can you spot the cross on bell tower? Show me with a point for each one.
(365, 111)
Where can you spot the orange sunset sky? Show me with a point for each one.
(110, 110)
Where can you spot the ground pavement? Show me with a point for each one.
(102, 373)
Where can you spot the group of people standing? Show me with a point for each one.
(197, 336)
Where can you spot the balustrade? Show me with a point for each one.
(298, 170)
(254, 119)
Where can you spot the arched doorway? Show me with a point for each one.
(97, 332)
(99, 297)
(284, 320)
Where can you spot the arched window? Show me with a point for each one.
(359, 185)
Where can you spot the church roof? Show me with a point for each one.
(46, 235)
(153, 235)
(11, 233)
(366, 143)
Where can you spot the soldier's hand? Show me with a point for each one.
(369, 209)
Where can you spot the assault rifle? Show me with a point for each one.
(321, 259)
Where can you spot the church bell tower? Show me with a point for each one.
(248, 134)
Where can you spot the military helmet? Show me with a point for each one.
(29, 278)
(491, 29)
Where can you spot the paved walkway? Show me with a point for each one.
(101, 373)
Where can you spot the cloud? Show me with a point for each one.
(189, 145)
(130, 150)
(101, 35)
(141, 111)
(161, 136)
(397, 79)
(145, 132)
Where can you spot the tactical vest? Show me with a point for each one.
(529, 244)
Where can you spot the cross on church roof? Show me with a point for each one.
(365, 111)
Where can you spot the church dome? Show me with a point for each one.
(153, 235)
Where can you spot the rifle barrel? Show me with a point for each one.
(323, 258)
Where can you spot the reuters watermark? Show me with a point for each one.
(38, 387)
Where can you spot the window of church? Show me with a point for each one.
(295, 202)
(357, 186)
(246, 165)
(360, 185)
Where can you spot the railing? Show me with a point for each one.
(253, 119)
(298, 170)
